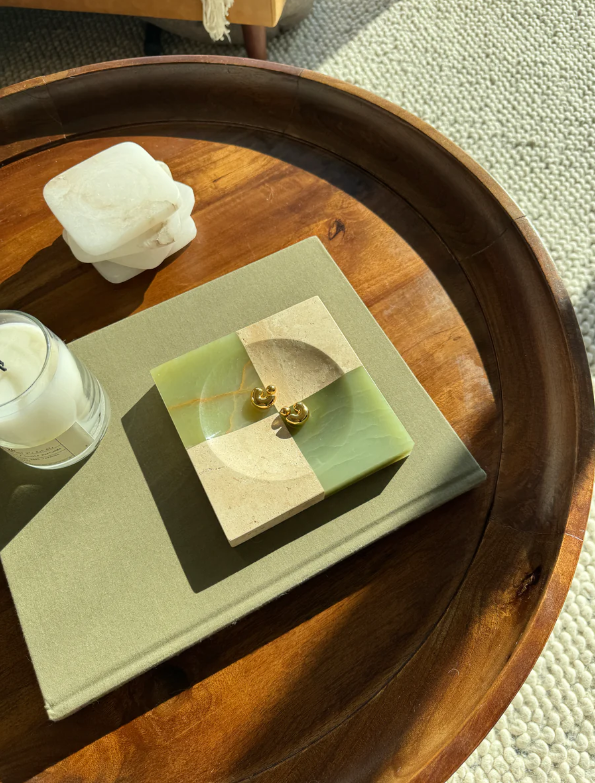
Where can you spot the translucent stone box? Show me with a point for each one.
(122, 211)
(256, 469)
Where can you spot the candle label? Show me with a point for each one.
(70, 444)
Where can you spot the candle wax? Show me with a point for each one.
(22, 352)
(57, 400)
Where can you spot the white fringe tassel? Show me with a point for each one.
(215, 18)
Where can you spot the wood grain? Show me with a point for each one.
(396, 663)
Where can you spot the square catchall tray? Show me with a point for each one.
(120, 562)
(256, 467)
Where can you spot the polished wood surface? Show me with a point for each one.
(393, 665)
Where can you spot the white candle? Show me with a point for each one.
(52, 410)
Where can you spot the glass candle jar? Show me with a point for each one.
(53, 411)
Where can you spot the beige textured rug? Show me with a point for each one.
(512, 82)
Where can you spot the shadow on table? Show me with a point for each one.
(383, 202)
(82, 309)
(200, 544)
(411, 574)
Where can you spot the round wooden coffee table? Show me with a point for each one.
(393, 665)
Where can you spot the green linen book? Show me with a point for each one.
(120, 562)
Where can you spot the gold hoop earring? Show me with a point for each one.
(297, 415)
(263, 399)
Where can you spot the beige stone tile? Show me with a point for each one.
(300, 350)
(255, 478)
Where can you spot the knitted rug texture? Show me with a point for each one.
(513, 83)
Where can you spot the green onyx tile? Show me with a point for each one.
(207, 391)
(352, 431)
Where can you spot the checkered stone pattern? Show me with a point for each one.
(255, 469)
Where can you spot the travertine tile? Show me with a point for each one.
(300, 350)
(255, 477)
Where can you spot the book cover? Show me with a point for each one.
(120, 562)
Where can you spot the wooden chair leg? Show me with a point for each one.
(255, 41)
